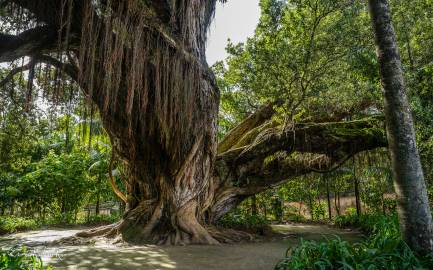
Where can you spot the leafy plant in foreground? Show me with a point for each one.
(18, 258)
(383, 250)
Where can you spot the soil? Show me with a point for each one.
(264, 253)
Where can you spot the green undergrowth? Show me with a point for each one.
(368, 223)
(20, 259)
(383, 249)
(12, 224)
(100, 220)
(248, 222)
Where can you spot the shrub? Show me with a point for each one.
(368, 223)
(384, 249)
(319, 210)
(61, 219)
(243, 221)
(19, 258)
(295, 217)
(101, 219)
(11, 224)
(382, 253)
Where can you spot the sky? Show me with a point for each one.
(237, 20)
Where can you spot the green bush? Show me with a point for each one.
(101, 219)
(243, 221)
(319, 210)
(369, 222)
(18, 258)
(295, 217)
(384, 249)
(61, 219)
(381, 253)
(11, 224)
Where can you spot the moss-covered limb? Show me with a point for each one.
(34, 41)
(333, 139)
(245, 128)
(337, 114)
(275, 157)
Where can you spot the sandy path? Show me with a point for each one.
(259, 255)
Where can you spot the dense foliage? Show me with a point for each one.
(11, 224)
(19, 258)
(53, 163)
(313, 61)
(383, 249)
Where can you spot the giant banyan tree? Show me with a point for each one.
(142, 62)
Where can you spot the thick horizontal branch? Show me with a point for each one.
(254, 120)
(35, 41)
(333, 139)
(70, 69)
(269, 156)
(67, 68)
(14, 72)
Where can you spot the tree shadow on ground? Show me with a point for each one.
(254, 255)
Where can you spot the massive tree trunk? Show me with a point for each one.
(412, 200)
(143, 64)
(161, 115)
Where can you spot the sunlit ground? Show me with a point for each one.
(263, 254)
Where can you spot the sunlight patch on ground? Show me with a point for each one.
(103, 255)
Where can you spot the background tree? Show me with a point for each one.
(412, 201)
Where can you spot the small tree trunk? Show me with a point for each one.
(88, 213)
(122, 207)
(310, 203)
(67, 134)
(254, 205)
(12, 209)
(357, 195)
(98, 195)
(62, 208)
(328, 196)
(338, 202)
(412, 201)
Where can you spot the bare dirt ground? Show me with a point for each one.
(261, 254)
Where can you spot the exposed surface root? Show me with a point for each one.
(72, 241)
(99, 231)
(229, 236)
(195, 235)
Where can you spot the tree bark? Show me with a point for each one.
(253, 205)
(311, 206)
(356, 187)
(328, 197)
(98, 194)
(412, 201)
